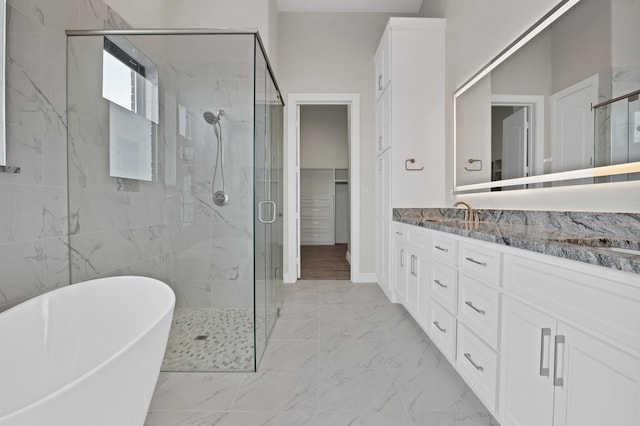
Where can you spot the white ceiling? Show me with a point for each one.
(382, 6)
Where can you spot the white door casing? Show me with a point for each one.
(352, 101)
(515, 145)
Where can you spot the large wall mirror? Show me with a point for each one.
(559, 106)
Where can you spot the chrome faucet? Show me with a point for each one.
(468, 214)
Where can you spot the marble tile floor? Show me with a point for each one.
(340, 354)
(210, 340)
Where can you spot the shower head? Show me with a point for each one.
(212, 118)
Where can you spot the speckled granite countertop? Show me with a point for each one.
(581, 236)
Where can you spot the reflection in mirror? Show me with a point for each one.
(552, 108)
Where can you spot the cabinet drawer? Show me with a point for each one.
(400, 232)
(442, 329)
(479, 308)
(480, 262)
(444, 249)
(478, 364)
(420, 236)
(318, 224)
(316, 211)
(316, 237)
(607, 307)
(444, 285)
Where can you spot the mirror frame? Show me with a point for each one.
(556, 12)
(3, 29)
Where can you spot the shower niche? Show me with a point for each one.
(175, 172)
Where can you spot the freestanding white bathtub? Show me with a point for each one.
(88, 354)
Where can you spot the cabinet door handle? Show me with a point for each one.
(379, 82)
(544, 336)
(401, 257)
(442, 249)
(440, 284)
(472, 260)
(437, 324)
(380, 142)
(476, 366)
(471, 305)
(398, 233)
(413, 266)
(557, 381)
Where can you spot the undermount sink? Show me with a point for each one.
(598, 243)
(623, 250)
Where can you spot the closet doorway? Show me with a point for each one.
(323, 165)
(324, 192)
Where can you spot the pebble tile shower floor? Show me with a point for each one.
(340, 354)
(210, 340)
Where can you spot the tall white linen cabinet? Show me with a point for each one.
(410, 126)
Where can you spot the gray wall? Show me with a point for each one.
(333, 53)
(324, 137)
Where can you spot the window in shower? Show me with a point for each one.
(130, 83)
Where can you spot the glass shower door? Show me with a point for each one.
(268, 203)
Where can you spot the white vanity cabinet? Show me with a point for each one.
(570, 345)
(410, 126)
(542, 341)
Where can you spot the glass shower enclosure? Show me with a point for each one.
(175, 172)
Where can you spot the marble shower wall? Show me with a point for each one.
(33, 203)
(213, 266)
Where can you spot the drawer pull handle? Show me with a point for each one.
(315, 210)
(401, 257)
(476, 366)
(442, 249)
(316, 223)
(557, 381)
(546, 333)
(472, 260)
(398, 233)
(437, 324)
(440, 284)
(471, 305)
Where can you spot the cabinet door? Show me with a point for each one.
(400, 275)
(383, 122)
(382, 60)
(419, 291)
(383, 222)
(598, 384)
(526, 385)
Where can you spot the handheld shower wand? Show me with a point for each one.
(220, 197)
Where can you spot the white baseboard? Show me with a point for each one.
(349, 258)
(289, 278)
(370, 277)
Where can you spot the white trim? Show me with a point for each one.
(369, 277)
(352, 101)
(287, 278)
(348, 257)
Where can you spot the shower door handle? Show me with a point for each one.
(273, 212)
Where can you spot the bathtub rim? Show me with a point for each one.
(145, 331)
